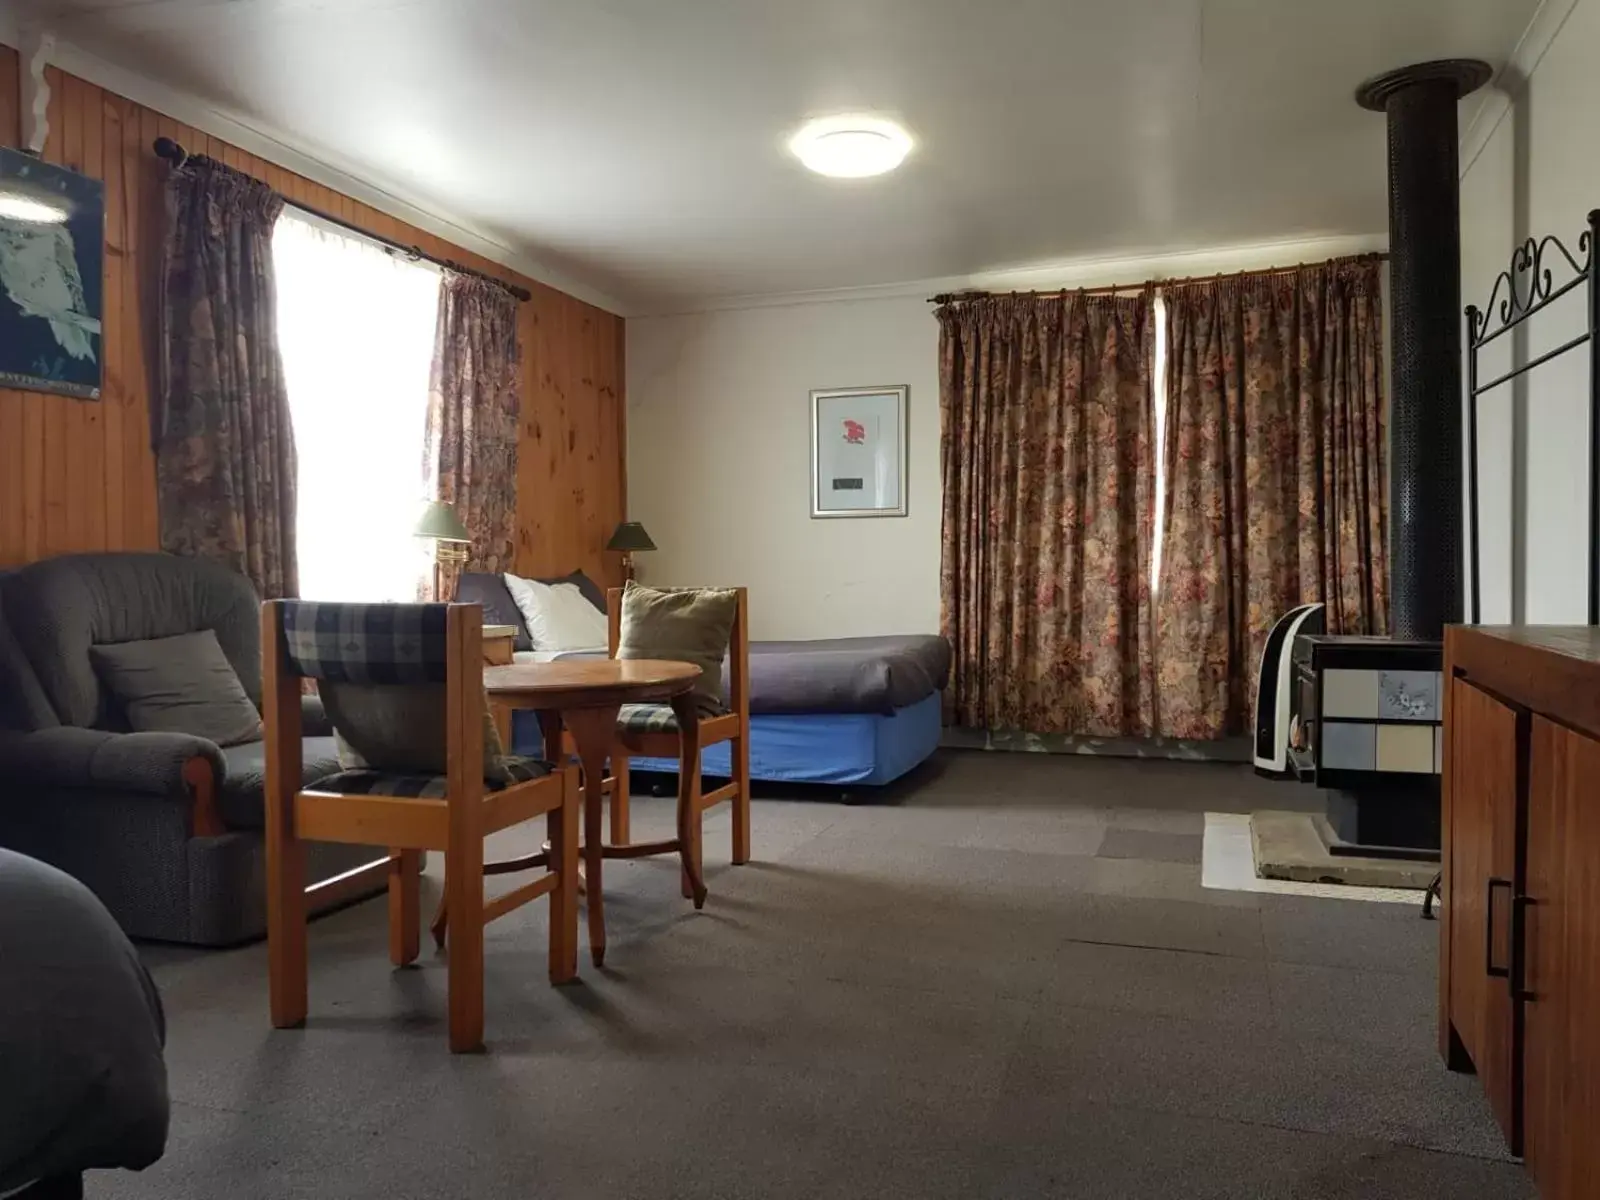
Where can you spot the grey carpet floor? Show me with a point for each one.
(1003, 979)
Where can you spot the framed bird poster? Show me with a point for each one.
(52, 250)
(858, 452)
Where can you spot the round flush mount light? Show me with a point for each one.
(851, 147)
(35, 212)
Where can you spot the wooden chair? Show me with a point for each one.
(364, 652)
(650, 731)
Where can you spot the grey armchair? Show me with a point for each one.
(165, 828)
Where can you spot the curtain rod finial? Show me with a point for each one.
(168, 149)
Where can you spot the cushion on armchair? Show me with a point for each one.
(692, 625)
(181, 684)
(58, 608)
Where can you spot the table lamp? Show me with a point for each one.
(450, 541)
(629, 537)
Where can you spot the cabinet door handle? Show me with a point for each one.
(1488, 932)
(1519, 947)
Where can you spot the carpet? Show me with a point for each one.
(1003, 978)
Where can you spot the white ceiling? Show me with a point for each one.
(638, 145)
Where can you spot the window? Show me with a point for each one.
(356, 330)
(1159, 386)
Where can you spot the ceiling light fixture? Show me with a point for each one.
(35, 212)
(851, 147)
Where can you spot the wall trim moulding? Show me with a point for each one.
(1543, 29)
(1064, 274)
(313, 163)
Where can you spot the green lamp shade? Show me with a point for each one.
(439, 522)
(630, 535)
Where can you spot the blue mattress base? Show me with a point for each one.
(836, 748)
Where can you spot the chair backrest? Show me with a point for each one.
(736, 671)
(58, 608)
(367, 643)
(397, 680)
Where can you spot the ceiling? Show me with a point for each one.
(638, 145)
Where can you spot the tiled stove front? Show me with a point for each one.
(1366, 726)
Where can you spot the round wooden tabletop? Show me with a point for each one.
(592, 681)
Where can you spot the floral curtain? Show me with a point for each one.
(470, 449)
(225, 456)
(1275, 475)
(1048, 469)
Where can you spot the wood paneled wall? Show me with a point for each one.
(80, 475)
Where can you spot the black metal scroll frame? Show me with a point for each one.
(1527, 262)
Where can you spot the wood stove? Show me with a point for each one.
(1365, 725)
(1365, 712)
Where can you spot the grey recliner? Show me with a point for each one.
(165, 828)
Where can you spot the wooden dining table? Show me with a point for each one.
(581, 698)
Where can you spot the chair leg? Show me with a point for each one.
(463, 884)
(620, 833)
(561, 826)
(405, 906)
(286, 916)
(739, 757)
(689, 804)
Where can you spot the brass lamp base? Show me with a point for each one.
(446, 554)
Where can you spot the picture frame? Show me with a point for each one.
(858, 452)
(52, 247)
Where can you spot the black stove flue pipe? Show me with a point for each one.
(1425, 401)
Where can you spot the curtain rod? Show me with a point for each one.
(175, 154)
(1176, 281)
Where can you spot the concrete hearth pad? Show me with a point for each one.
(1294, 846)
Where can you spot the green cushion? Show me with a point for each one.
(181, 684)
(692, 625)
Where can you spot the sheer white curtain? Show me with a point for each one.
(356, 329)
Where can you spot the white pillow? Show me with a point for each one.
(558, 616)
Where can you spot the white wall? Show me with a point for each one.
(719, 463)
(1537, 174)
(719, 448)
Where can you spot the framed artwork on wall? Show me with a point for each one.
(858, 452)
(52, 247)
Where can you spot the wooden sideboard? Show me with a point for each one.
(1519, 977)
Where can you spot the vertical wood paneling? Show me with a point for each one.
(114, 390)
(89, 496)
(80, 475)
(141, 284)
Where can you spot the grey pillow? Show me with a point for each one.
(592, 591)
(692, 625)
(181, 684)
(489, 590)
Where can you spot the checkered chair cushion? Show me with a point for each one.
(366, 643)
(427, 787)
(653, 718)
(647, 718)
